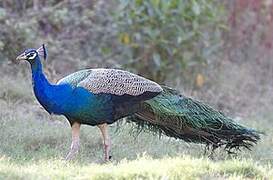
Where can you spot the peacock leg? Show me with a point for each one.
(75, 145)
(106, 141)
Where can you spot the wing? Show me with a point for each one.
(75, 78)
(111, 81)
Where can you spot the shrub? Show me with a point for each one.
(169, 36)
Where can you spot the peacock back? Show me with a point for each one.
(111, 81)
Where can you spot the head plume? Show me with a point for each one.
(42, 51)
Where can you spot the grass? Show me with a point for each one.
(33, 144)
(183, 167)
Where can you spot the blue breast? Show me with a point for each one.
(89, 108)
(77, 104)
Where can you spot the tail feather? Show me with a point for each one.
(181, 117)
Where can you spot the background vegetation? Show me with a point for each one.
(216, 51)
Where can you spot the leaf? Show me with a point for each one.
(155, 3)
(125, 38)
(2, 13)
(139, 2)
(152, 33)
(195, 8)
(137, 36)
(200, 80)
(124, 3)
(106, 50)
(179, 39)
(157, 59)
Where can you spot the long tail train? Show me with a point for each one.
(181, 117)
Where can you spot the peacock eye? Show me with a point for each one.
(31, 55)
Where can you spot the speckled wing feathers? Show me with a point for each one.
(118, 82)
(112, 81)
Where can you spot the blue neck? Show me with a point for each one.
(38, 77)
(45, 93)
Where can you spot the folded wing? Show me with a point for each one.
(111, 81)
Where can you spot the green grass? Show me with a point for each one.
(33, 145)
(184, 167)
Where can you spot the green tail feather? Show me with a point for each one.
(181, 117)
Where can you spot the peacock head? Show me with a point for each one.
(30, 54)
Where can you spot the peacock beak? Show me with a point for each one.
(22, 57)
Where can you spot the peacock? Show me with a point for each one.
(99, 97)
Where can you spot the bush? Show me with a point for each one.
(13, 37)
(169, 36)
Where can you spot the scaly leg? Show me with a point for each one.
(75, 145)
(106, 141)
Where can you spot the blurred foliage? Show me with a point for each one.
(12, 37)
(156, 38)
(169, 36)
(70, 29)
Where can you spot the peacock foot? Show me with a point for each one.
(107, 159)
(74, 150)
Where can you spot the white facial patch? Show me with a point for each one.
(32, 56)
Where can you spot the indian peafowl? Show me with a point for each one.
(99, 97)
